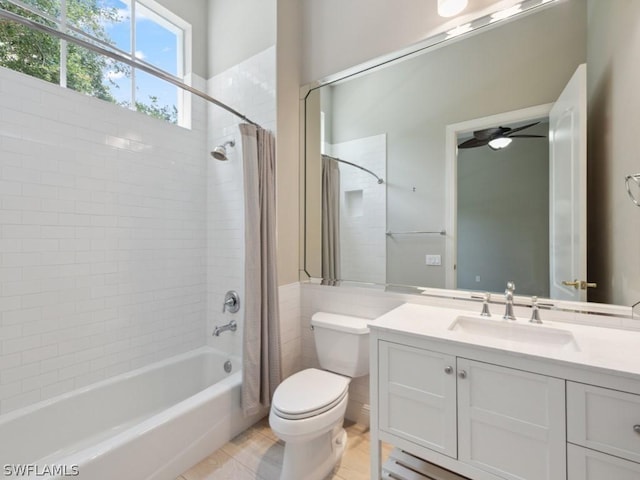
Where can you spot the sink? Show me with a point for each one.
(511, 331)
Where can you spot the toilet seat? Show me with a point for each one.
(309, 393)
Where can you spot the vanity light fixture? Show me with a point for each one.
(506, 13)
(449, 8)
(499, 143)
(459, 30)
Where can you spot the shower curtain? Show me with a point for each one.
(261, 367)
(330, 221)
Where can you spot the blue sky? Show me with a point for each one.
(154, 44)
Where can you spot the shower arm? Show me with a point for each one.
(129, 60)
(380, 180)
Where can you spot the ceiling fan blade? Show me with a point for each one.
(514, 130)
(489, 133)
(473, 142)
(527, 136)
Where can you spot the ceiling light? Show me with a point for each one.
(499, 142)
(449, 8)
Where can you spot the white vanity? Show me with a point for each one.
(493, 399)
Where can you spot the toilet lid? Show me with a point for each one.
(308, 393)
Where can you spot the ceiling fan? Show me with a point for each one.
(497, 137)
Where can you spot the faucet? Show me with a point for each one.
(232, 325)
(508, 293)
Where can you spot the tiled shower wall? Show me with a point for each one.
(102, 239)
(363, 222)
(248, 87)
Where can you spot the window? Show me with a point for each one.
(140, 28)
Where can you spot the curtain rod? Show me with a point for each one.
(121, 58)
(355, 165)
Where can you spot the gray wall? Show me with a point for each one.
(338, 34)
(414, 101)
(194, 12)
(613, 76)
(238, 30)
(503, 216)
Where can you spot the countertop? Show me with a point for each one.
(609, 350)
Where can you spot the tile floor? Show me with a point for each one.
(256, 454)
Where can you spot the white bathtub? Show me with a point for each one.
(149, 424)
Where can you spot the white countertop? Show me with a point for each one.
(612, 350)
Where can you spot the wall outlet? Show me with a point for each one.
(433, 260)
(477, 278)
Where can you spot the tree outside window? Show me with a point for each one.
(140, 28)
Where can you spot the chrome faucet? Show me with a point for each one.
(508, 293)
(232, 325)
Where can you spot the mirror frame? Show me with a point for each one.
(478, 25)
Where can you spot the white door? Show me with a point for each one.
(568, 191)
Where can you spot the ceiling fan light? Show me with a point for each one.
(499, 143)
(449, 8)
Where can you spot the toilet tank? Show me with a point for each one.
(342, 343)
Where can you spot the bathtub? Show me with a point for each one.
(149, 424)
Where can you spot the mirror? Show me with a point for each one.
(393, 121)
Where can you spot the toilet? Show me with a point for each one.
(307, 410)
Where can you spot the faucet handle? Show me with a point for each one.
(231, 302)
(535, 311)
(511, 287)
(486, 298)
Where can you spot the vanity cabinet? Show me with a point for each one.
(507, 423)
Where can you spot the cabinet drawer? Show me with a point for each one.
(588, 464)
(604, 420)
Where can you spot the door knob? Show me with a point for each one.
(448, 370)
(462, 374)
(636, 428)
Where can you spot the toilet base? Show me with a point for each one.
(314, 459)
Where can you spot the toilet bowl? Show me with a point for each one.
(307, 410)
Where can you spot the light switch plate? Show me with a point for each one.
(433, 260)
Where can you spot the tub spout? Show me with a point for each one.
(232, 325)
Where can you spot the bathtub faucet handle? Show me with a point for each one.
(231, 302)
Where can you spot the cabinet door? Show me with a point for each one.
(511, 423)
(585, 464)
(417, 396)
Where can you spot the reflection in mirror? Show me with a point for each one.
(394, 120)
(502, 214)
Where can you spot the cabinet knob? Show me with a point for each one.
(462, 374)
(636, 428)
(448, 370)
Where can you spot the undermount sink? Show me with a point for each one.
(507, 330)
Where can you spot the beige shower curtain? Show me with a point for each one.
(330, 221)
(261, 344)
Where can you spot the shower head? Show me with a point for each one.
(220, 152)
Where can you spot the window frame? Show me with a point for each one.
(160, 15)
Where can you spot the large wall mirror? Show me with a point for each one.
(405, 186)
